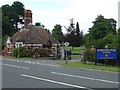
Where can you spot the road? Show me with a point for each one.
(47, 74)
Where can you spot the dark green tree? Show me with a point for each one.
(17, 13)
(100, 29)
(112, 26)
(11, 17)
(118, 46)
(78, 36)
(57, 33)
(37, 24)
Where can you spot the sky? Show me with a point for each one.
(52, 12)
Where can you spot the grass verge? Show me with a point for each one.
(90, 65)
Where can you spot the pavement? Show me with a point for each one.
(45, 73)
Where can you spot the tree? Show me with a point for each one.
(7, 25)
(118, 45)
(112, 26)
(11, 17)
(101, 28)
(79, 36)
(18, 13)
(71, 32)
(77, 29)
(37, 24)
(74, 35)
(57, 33)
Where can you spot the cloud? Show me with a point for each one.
(51, 12)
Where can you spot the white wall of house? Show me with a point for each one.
(18, 44)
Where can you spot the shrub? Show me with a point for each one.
(89, 55)
(42, 52)
(22, 52)
(15, 52)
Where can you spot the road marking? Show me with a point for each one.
(34, 63)
(85, 77)
(57, 82)
(15, 66)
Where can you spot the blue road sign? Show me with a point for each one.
(106, 54)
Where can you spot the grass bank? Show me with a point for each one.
(90, 65)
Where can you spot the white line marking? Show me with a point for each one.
(25, 67)
(85, 77)
(17, 60)
(48, 80)
(15, 66)
(29, 62)
(33, 63)
(12, 65)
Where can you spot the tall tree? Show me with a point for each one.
(7, 25)
(11, 17)
(18, 13)
(57, 33)
(70, 36)
(112, 26)
(74, 36)
(119, 45)
(77, 29)
(102, 28)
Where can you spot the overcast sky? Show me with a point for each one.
(52, 12)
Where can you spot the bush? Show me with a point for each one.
(15, 52)
(41, 52)
(22, 52)
(45, 52)
(89, 55)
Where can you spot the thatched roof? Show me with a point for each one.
(33, 35)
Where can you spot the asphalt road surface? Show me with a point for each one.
(47, 74)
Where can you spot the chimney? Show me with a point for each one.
(27, 17)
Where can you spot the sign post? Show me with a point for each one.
(66, 45)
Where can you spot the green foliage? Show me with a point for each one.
(110, 40)
(11, 16)
(57, 33)
(3, 41)
(42, 52)
(102, 33)
(118, 47)
(37, 24)
(15, 52)
(89, 55)
(74, 36)
(21, 52)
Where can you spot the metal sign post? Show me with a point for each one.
(66, 45)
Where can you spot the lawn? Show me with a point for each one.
(75, 49)
(90, 65)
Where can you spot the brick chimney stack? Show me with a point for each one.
(27, 17)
